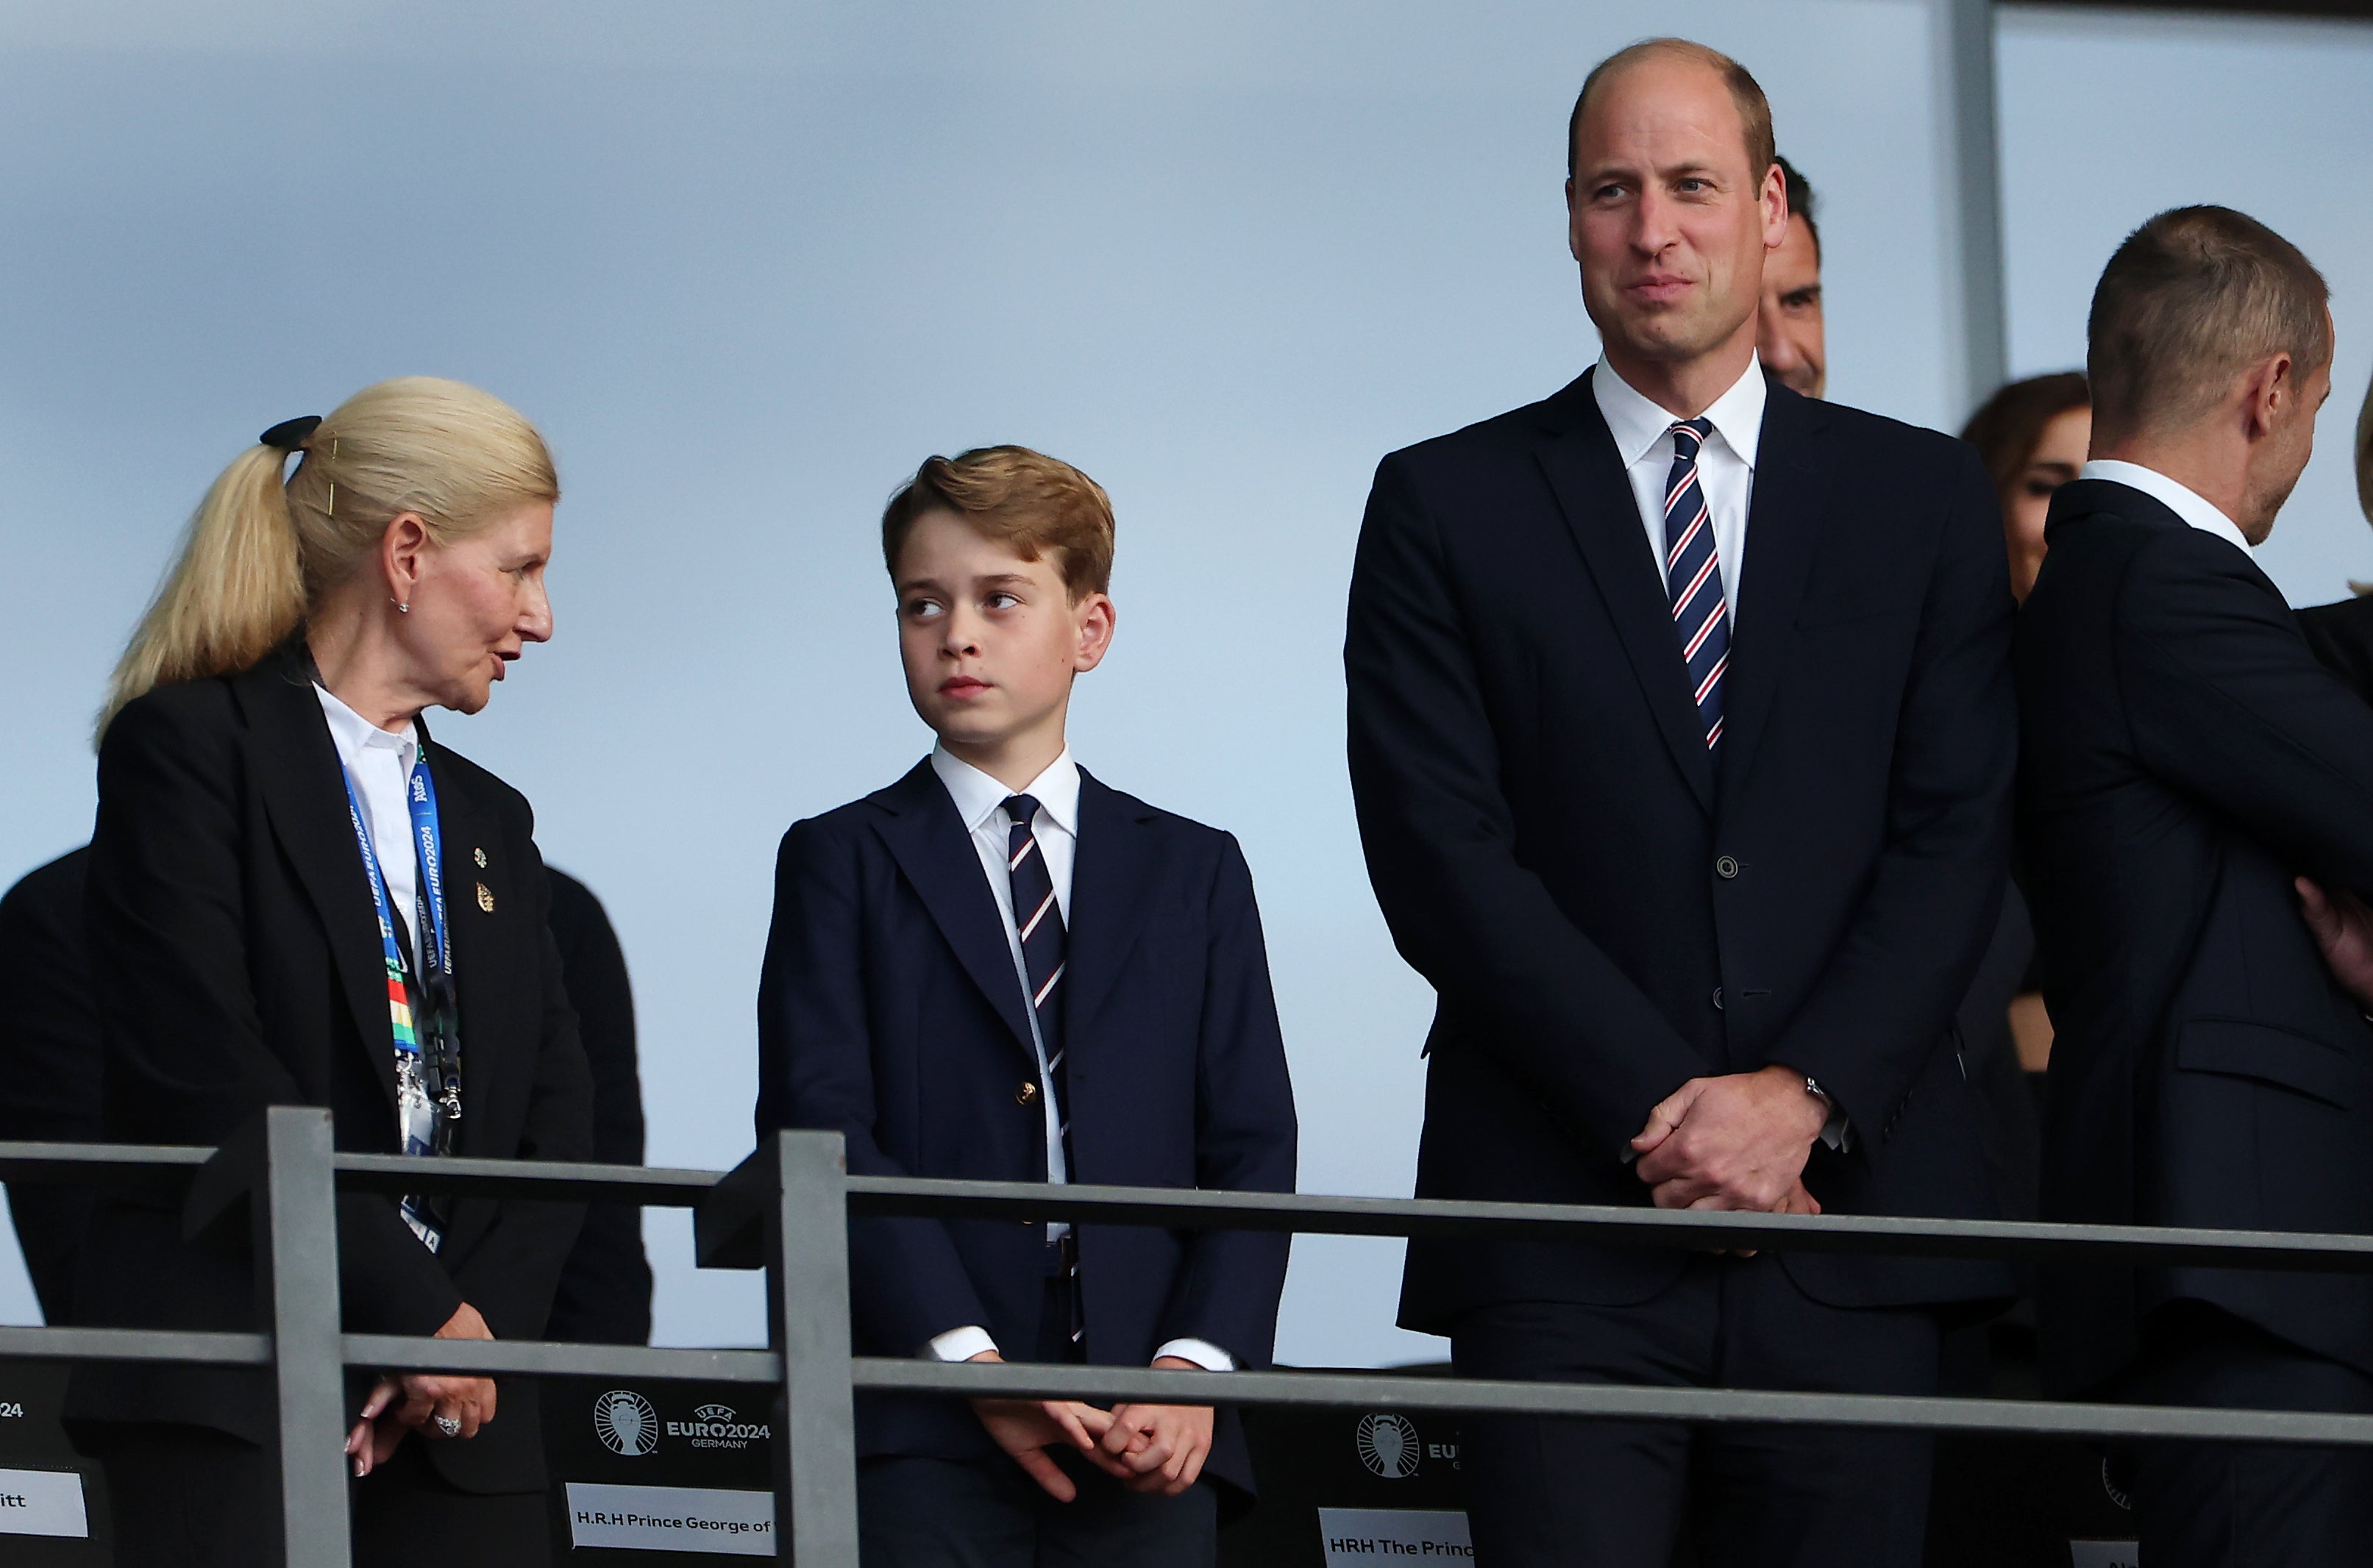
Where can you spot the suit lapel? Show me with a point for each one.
(919, 826)
(306, 800)
(1111, 876)
(1783, 535)
(1586, 473)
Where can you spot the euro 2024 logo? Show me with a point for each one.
(626, 1423)
(1387, 1446)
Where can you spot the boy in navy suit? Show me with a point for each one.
(1000, 968)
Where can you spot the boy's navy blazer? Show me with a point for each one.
(889, 1010)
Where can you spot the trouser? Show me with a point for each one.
(2247, 1505)
(1565, 1492)
(191, 1497)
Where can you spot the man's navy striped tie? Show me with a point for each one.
(1693, 577)
(1039, 920)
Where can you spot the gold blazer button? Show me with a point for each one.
(1027, 1093)
(486, 898)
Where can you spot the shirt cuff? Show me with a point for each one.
(959, 1344)
(1837, 1133)
(1202, 1353)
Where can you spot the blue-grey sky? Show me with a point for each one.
(747, 264)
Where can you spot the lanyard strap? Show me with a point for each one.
(399, 994)
(435, 973)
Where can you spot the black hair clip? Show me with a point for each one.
(290, 435)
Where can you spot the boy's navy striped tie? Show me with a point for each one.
(1039, 920)
(1693, 577)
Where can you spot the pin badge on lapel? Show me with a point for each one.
(486, 898)
(479, 856)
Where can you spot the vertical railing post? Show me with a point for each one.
(807, 1306)
(279, 1173)
(297, 1268)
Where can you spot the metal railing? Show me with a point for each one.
(786, 1208)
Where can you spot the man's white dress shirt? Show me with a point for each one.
(379, 762)
(980, 803)
(1643, 441)
(2180, 499)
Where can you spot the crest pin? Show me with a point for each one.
(486, 898)
(479, 856)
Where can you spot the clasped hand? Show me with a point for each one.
(1737, 1142)
(1157, 1449)
(401, 1405)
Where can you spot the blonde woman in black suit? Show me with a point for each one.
(295, 898)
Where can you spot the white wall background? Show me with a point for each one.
(747, 264)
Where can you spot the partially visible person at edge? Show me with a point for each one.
(2032, 435)
(50, 1058)
(2342, 634)
(304, 899)
(1697, 909)
(1789, 330)
(2185, 769)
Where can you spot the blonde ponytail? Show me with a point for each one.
(237, 589)
(262, 551)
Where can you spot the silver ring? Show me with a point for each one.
(449, 1425)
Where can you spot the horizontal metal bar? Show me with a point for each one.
(99, 1164)
(566, 1182)
(1311, 1214)
(134, 1344)
(2028, 1418)
(536, 1357)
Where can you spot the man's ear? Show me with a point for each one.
(2271, 390)
(1773, 198)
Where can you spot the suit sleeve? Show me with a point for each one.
(907, 1282)
(512, 1273)
(1871, 1022)
(186, 1058)
(1553, 1009)
(2224, 699)
(1245, 1131)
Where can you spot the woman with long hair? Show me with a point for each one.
(295, 898)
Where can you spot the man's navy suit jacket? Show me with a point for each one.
(889, 1010)
(1603, 910)
(2184, 759)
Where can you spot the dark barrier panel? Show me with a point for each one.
(53, 1504)
(647, 1472)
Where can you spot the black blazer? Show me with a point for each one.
(229, 913)
(889, 1009)
(49, 1061)
(605, 1295)
(2342, 637)
(2184, 758)
(1603, 911)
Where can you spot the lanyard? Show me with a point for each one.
(420, 798)
(428, 1085)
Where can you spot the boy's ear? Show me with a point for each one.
(1095, 616)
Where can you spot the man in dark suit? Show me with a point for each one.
(2185, 763)
(1698, 912)
(998, 969)
(50, 1063)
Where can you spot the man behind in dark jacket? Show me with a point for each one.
(2187, 767)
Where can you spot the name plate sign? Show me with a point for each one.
(1362, 1537)
(42, 1503)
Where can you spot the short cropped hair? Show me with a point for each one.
(1801, 199)
(1025, 500)
(2192, 299)
(1746, 95)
